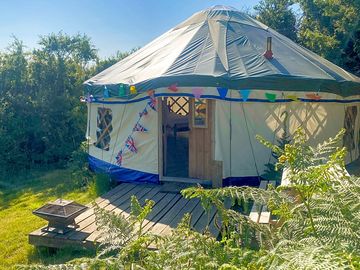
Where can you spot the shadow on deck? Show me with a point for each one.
(167, 212)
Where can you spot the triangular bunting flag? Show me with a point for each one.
(270, 96)
(106, 92)
(244, 93)
(130, 144)
(173, 87)
(139, 127)
(133, 90)
(222, 91)
(119, 158)
(313, 96)
(122, 90)
(197, 92)
(152, 103)
(144, 112)
(151, 93)
(292, 97)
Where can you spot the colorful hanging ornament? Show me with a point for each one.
(222, 91)
(144, 112)
(133, 90)
(119, 158)
(197, 92)
(130, 144)
(89, 98)
(152, 103)
(106, 93)
(245, 93)
(271, 97)
(122, 90)
(139, 127)
(313, 96)
(173, 87)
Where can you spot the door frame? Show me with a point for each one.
(161, 155)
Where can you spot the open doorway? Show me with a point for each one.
(175, 136)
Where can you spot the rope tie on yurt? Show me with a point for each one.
(249, 137)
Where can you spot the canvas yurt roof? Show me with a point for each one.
(223, 47)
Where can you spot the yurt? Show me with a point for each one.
(188, 105)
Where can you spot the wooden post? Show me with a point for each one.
(217, 180)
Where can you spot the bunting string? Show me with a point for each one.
(130, 143)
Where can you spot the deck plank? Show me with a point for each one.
(162, 209)
(169, 216)
(196, 214)
(205, 220)
(188, 208)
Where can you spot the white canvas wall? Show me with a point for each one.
(124, 118)
(243, 155)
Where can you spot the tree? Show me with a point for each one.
(327, 26)
(58, 70)
(350, 58)
(103, 64)
(278, 15)
(41, 118)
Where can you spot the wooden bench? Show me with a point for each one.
(260, 213)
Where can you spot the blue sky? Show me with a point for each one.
(112, 25)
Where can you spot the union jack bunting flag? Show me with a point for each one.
(130, 144)
(152, 103)
(139, 127)
(144, 112)
(119, 158)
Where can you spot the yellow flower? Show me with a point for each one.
(282, 159)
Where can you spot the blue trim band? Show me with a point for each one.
(227, 99)
(253, 181)
(120, 174)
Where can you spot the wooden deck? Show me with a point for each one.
(168, 210)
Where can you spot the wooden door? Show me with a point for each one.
(201, 146)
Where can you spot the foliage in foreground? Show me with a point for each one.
(318, 214)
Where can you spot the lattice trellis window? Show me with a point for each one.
(178, 105)
(103, 128)
(349, 125)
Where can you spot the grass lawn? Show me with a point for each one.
(21, 195)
